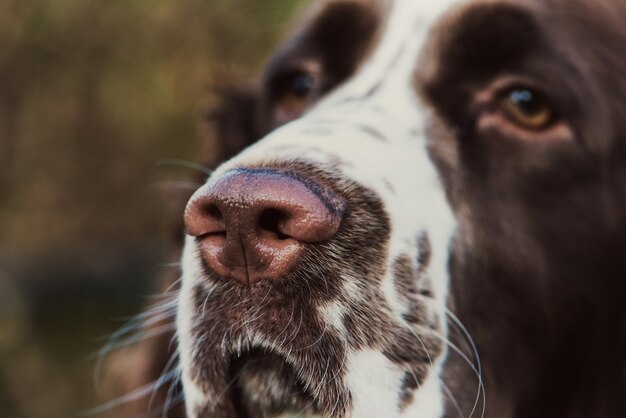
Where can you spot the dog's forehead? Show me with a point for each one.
(410, 36)
(404, 29)
(400, 22)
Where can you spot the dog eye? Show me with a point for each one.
(296, 94)
(527, 108)
(301, 84)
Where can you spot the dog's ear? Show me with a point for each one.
(234, 123)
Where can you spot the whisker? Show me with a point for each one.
(319, 389)
(466, 333)
(455, 403)
(316, 341)
(200, 340)
(250, 319)
(173, 264)
(343, 361)
(168, 368)
(443, 384)
(137, 323)
(173, 340)
(129, 397)
(162, 311)
(293, 310)
(209, 292)
(186, 164)
(168, 290)
(170, 402)
(230, 383)
(469, 338)
(295, 334)
(155, 332)
(168, 297)
(481, 387)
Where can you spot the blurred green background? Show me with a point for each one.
(94, 96)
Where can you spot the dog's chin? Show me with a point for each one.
(265, 385)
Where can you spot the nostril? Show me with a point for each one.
(271, 221)
(203, 219)
(213, 212)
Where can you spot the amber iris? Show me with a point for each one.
(527, 109)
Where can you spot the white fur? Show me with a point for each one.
(428, 400)
(333, 314)
(194, 397)
(374, 383)
(416, 204)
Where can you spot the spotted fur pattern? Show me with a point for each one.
(358, 323)
(357, 329)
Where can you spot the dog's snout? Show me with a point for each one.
(252, 224)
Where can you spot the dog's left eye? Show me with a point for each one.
(527, 108)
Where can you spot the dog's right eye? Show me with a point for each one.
(302, 84)
(296, 91)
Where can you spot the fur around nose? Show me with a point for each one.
(252, 224)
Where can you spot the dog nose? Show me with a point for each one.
(252, 224)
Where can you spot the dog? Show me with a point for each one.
(424, 215)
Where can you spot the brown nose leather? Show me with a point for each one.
(252, 223)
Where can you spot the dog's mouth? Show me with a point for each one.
(266, 352)
(263, 384)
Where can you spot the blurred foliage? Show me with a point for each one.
(93, 94)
